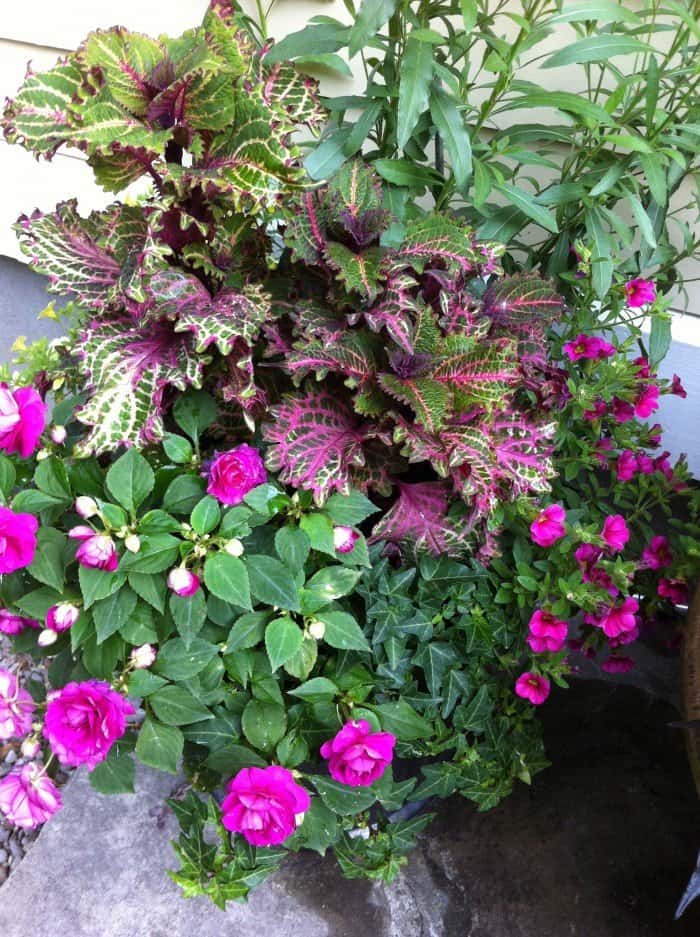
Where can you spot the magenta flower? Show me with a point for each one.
(589, 347)
(587, 557)
(647, 402)
(602, 448)
(265, 805)
(16, 707)
(22, 420)
(17, 540)
(357, 756)
(344, 539)
(677, 388)
(84, 720)
(28, 797)
(15, 624)
(643, 367)
(658, 554)
(661, 464)
(182, 582)
(618, 663)
(627, 466)
(547, 633)
(548, 526)
(675, 590)
(96, 551)
(532, 687)
(233, 474)
(622, 410)
(599, 410)
(639, 292)
(645, 464)
(615, 532)
(620, 618)
(625, 637)
(61, 617)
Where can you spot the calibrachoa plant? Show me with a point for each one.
(315, 507)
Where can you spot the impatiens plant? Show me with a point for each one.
(326, 502)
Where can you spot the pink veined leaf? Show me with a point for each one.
(419, 516)
(352, 355)
(518, 300)
(437, 239)
(395, 311)
(316, 442)
(128, 369)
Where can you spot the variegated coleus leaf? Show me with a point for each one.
(520, 300)
(437, 240)
(353, 356)
(128, 370)
(420, 518)
(487, 460)
(83, 257)
(396, 311)
(316, 442)
(358, 272)
(354, 212)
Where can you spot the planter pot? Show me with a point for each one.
(690, 686)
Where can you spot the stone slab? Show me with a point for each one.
(600, 846)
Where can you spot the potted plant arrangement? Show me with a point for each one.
(322, 491)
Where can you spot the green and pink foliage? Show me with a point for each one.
(367, 365)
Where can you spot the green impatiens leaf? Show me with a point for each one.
(177, 706)
(227, 577)
(130, 480)
(159, 746)
(264, 724)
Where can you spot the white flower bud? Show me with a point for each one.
(42, 454)
(47, 637)
(317, 629)
(86, 507)
(234, 547)
(132, 543)
(30, 748)
(58, 435)
(142, 657)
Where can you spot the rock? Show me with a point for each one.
(602, 844)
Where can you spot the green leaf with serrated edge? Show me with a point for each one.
(189, 614)
(342, 631)
(115, 775)
(401, 719)
(293, 547)
(176, 706)
(318, 831)
(156, 554)
(177, 448)
(149, 587)
(316, 688)
(205, 515)
(111, 613)
(264, 724)
(230, 758)
(328, 584)
(51, 477)
(247, 631)
(177, 662)
(342, 799)
(143, 683)
(183, 494)
(301, 665)
(350, 509)
(273, 583)
(98, 583)
(130, 480)
(139, 628)
(227, 578)
(319, 529)
(48, 565)
(214, 733)
(159, 746)
(283, 638)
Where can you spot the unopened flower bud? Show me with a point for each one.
(344, 539)
(30, 748)
(317, 629)
(61, 617)
(42, 454)
(132, 543)
(58, 435)
(234, 547)
(86, 507)
(182, 581)
(142, 657)
(47, 637)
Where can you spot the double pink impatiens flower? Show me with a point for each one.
(22, 420)
(28, 796)
(264, 805)
(233, 474)
(357, 756)
(16, 707)
(96, 551)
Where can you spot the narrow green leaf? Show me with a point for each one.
(525, 203)
(370, 18)
(451, 127)
(416, 72)
(597, 48)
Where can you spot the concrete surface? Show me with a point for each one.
(600, 846)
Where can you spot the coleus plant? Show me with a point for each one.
(368, 360)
